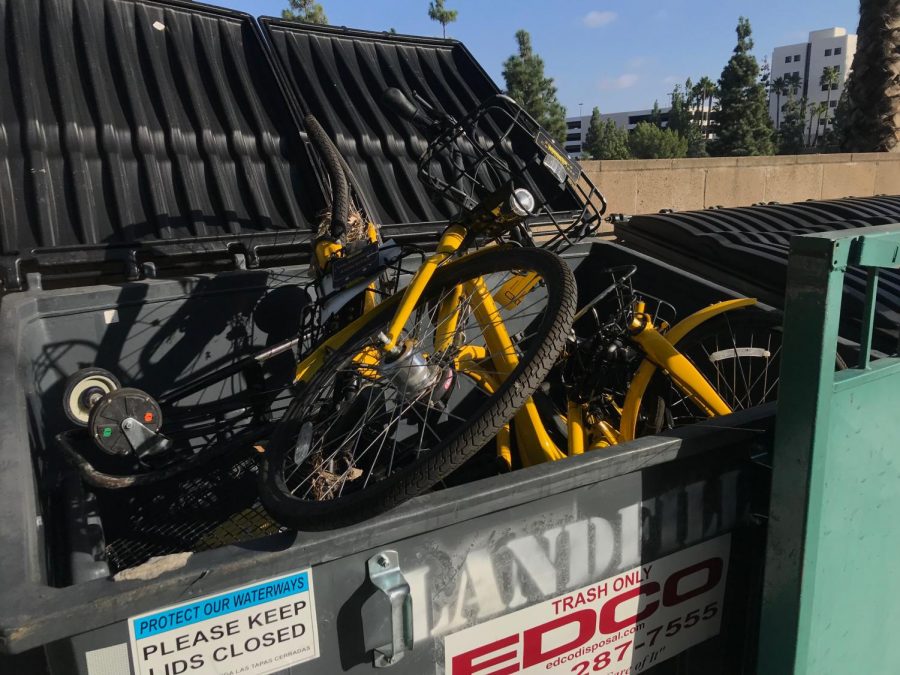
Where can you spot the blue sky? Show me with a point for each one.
(618, 55)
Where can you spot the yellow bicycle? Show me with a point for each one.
(482, 350)
(391, 404)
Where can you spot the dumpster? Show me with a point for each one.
(156, 221)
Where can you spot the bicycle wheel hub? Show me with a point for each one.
(410, 372)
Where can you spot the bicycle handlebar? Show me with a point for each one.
(406, 109)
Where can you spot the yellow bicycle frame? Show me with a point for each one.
(533, 442)
(402, 305)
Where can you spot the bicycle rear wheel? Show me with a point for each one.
(368, 432)
(738, 352)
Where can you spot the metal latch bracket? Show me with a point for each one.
(385, 574)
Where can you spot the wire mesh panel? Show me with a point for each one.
(215, 507)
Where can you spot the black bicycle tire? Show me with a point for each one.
(451, 452)
(331, 159)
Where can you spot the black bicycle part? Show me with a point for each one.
(84, 389)
(467, 161)
(70, 440)
(126, 422)
(331, 160)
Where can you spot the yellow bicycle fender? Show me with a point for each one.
(641, 380)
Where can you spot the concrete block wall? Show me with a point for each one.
(648, 185)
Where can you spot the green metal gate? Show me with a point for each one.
(831, 599)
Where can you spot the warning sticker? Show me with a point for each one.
(621, 625)
(255, 629)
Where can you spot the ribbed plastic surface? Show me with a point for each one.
(747, 249)
(340, 76)
(141, 121)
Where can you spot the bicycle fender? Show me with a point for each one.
(645, 371)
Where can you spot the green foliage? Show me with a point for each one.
(840, 129)
(778, 88)
(527, 84)
(743, 126)
(592, 137)
(437, 12)
(830, 78)
(648, 141)
(704, 92)
(792, 133)
(305, 10)
(682, 120)
(656, 115)
(818, 111)
(605, 140)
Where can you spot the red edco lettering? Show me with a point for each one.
(527, 649)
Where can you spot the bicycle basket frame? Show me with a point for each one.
(498, 143)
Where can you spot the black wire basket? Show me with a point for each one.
(498, 144)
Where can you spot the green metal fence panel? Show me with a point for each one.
(830, 592)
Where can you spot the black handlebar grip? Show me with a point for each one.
(406, 109)
(340, 189)
(401, 105)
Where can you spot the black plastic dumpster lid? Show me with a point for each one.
(340, 76)
(138, 131)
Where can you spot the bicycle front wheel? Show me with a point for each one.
(369, 431)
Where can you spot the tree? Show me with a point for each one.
(791, 137)
(605, 140)
(778, 87)
(705, 90)
(305, 10)
(793, 82)
(873, 88)
(815, 113)
(647, 141)
(829, 81)
(592, 137)
(656, 115)
(527, 84)
(743, 126)
(682, 121)
(840, 127)
(437, 12)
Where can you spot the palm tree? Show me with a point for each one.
(811, 109)
(794, 81)
(706, 89)
(873, 94)
(817, 110)
(778, 87)
(829, 80)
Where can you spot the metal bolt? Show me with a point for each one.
(127, 424)
(383, 561)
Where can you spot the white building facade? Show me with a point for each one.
(832, 47)
(577, 127)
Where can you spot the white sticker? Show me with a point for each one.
(261, 628)
(621, 625)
